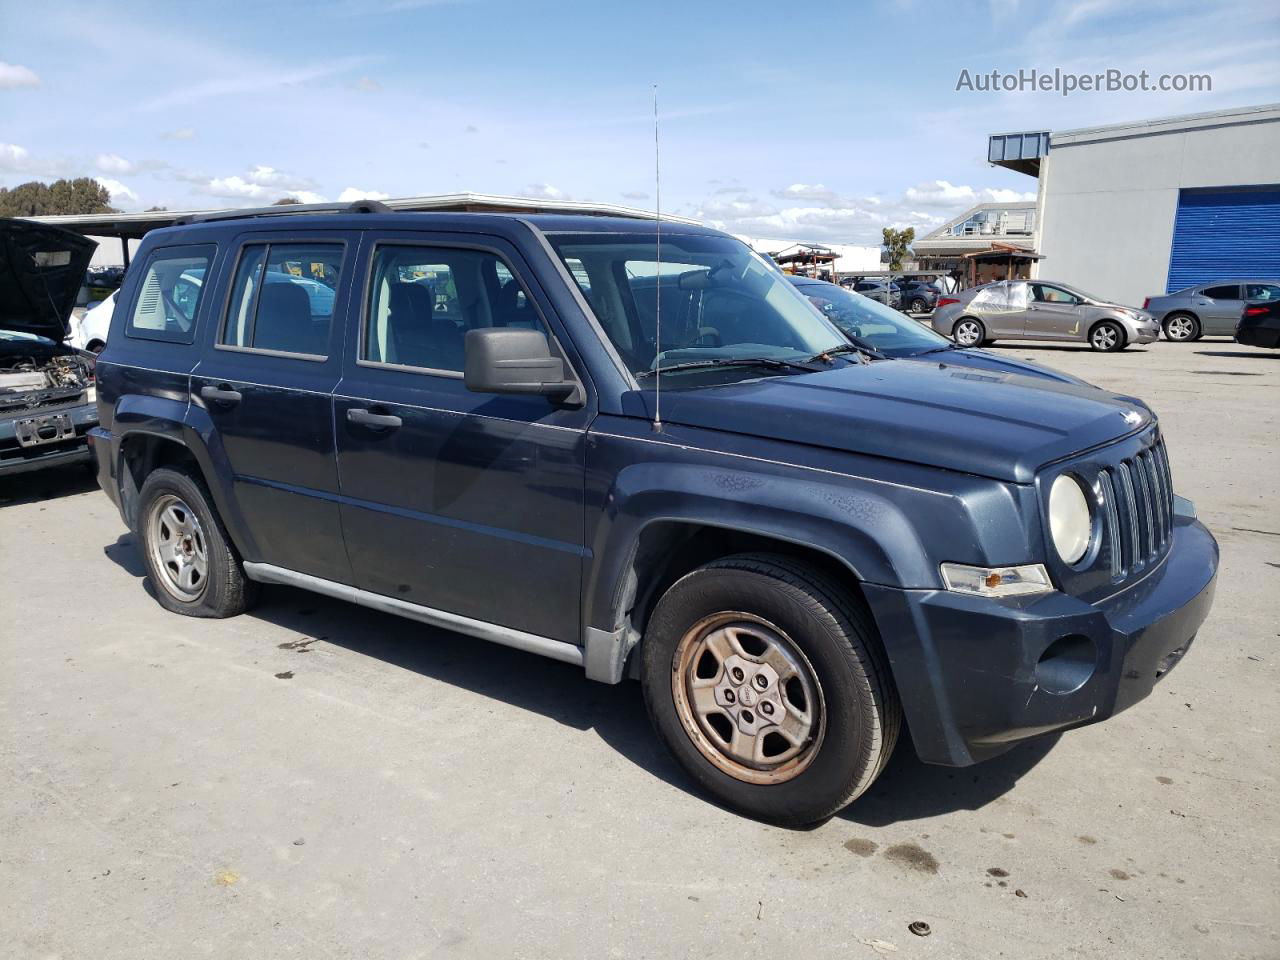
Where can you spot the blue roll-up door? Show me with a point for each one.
(1225, 234)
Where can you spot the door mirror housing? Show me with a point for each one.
(510, 360)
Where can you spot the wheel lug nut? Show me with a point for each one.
(737, 674)
(747, 717)
(766, 708)
(729, 695)
(761, 681)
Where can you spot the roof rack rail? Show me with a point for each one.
(285, 209)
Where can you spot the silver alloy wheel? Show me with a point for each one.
(1105, 337)
(919, 306)
(1179, 328)
(177, 546)
(967, 333)
(748, 698)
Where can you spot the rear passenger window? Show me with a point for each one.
(1231, 292)
(282, 298)
(423, 300)
(169, 297)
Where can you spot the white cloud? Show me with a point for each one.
(13, 75)
(260, 182)
(352, 194)
(113, 163)
(117, 190)
(941, 193)
(182, 133)
(13, 157)
(368, 85)
(544, 191)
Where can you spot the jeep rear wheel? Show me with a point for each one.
(193, 567)
(767, 684)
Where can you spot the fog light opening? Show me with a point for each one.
(1066, 664)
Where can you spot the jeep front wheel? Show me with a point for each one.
(193, 567)
(767, 683)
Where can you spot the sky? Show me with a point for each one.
(809, 121)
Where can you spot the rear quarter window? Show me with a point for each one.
(167, 304)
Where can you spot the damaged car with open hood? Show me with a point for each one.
(47, 401)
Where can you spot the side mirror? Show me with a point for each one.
(507, 360)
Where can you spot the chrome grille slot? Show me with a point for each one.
(1145, 505)
(1129, 514)
(1111, 523)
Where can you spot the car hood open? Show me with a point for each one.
(41, 271)
(992, 424)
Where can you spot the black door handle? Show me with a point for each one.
(221, 394)
(367, 418)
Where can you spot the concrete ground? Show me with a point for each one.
(316, 780)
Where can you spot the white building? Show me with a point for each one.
(1137, 209)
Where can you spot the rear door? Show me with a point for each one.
(1219, 308)
(267, 381)
(1002, 308)
(469, 503)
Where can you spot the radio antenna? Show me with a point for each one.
(657, 237)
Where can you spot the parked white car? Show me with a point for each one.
(89, 332)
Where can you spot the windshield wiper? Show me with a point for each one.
(942, 349)
(854, 346)
(772, 363)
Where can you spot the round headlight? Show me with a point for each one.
(1070, 522)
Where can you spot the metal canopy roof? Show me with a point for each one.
(132, 226)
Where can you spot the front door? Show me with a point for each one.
(267, 383)
(1219, 308)
(1053, 313)
(465, 502)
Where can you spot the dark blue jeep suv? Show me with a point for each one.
(638, 448)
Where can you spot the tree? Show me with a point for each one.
(897, 245)
(35, 199)
(284, 201)
(156, 209)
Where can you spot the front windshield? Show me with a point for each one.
(720, 300)
(872, 323)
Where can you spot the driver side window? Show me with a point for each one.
(168, 299)
(1047, 294)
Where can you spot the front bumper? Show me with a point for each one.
(15, 458)
(977, 676)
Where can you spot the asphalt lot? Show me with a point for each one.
(317, 780)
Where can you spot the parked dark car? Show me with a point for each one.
(881, 290)
(918, 296)
(47, 402)
(1259, 325)
(872, 324)
(797, 547)
(1208, 309)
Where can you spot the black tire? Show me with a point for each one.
(224, 589)
(1174, 326)
(960, 324)
(919, 306)
(1100, 341)
(839, 643)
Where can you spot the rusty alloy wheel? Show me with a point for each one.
(748, 698)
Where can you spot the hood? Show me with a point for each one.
(977, 359)
(41, 271)
(1000, 425)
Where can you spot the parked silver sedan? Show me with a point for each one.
(1209, 309)
(1040, 310)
